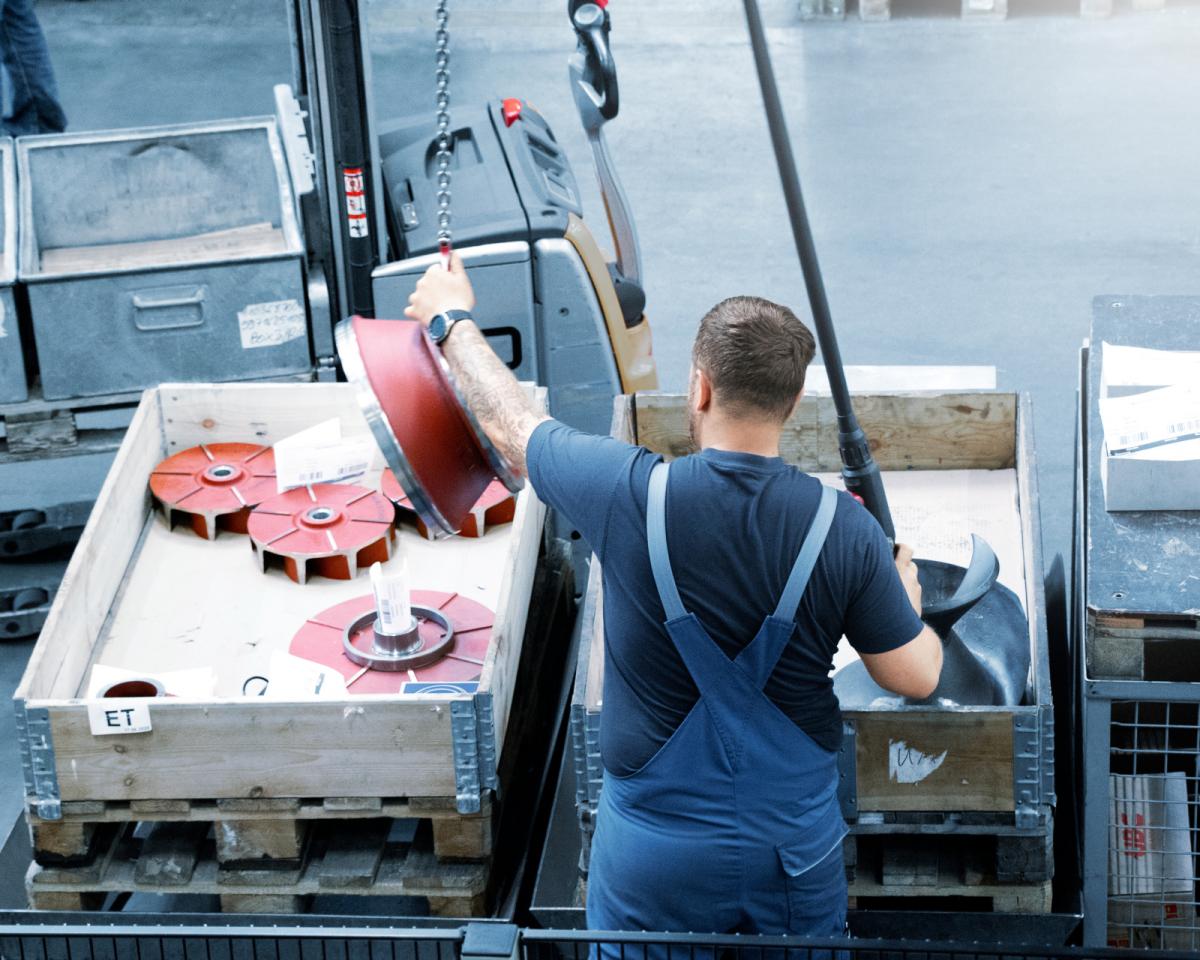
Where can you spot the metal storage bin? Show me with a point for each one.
(161, 253)
(1136, 629)
(13, 384)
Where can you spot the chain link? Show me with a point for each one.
(442, 47)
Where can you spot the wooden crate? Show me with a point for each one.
(997, 777)
(134, 589)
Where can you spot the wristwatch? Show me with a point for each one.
(442, 323)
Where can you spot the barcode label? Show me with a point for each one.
(1155, 418)
(346, 471)
(321, 455)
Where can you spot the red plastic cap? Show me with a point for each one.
(511, 108)
(602, 4)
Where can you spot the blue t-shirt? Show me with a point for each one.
(735, 523)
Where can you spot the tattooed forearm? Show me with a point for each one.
(499, 402)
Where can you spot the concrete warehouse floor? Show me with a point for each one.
(971, 186)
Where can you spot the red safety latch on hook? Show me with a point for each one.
(511, 109)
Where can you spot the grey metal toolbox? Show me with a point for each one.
(13, 384)
(161, 253)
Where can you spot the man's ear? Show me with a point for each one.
(702, 394)
(799, 397)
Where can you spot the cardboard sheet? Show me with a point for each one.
(936, 511)
(191, 603)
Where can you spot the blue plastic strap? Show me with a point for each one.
(807, 558)
(656, 538)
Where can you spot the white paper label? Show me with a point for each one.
(320, 455)
(294, 678)
(909, 765)
(1144, 367)
(119, 716)
(392, 601)
(270, 324)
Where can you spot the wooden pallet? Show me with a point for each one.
(1000, 860)
(1127, 647)
(822, 9)
(40, 429)
(265, 866)
(260, 828)
(921, 876)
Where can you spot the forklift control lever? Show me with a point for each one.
(592, 25)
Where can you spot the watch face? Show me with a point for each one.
(437, 327)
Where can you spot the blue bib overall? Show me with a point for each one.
(734, 824)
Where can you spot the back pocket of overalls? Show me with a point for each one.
(815, 883)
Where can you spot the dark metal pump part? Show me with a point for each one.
(985, 639)
(495, 506)
(432, 442)
(329, 529)
(454, 634)
(948, 591)
(214, 486)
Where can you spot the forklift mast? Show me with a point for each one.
(343, 214)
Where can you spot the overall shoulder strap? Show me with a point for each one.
(802, 569)
(656, 537)
(761, 656)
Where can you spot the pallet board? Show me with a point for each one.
(40, 429)
(367, 858)
(257, 824)
(958, 459)
(967, 860)
(112, 603)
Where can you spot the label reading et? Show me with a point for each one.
(130, 716)
(271, 324)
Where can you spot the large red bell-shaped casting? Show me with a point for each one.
(438, 451)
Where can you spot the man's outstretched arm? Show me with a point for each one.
(501, 405)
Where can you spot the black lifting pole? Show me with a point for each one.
(859, 470)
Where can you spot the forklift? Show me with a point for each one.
(375, 202)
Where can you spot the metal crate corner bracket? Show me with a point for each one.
(37, 760)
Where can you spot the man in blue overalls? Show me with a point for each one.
(729, 578)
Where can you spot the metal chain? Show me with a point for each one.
(442, 75)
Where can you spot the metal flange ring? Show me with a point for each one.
(422, 657)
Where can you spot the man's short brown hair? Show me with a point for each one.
(755, 354)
